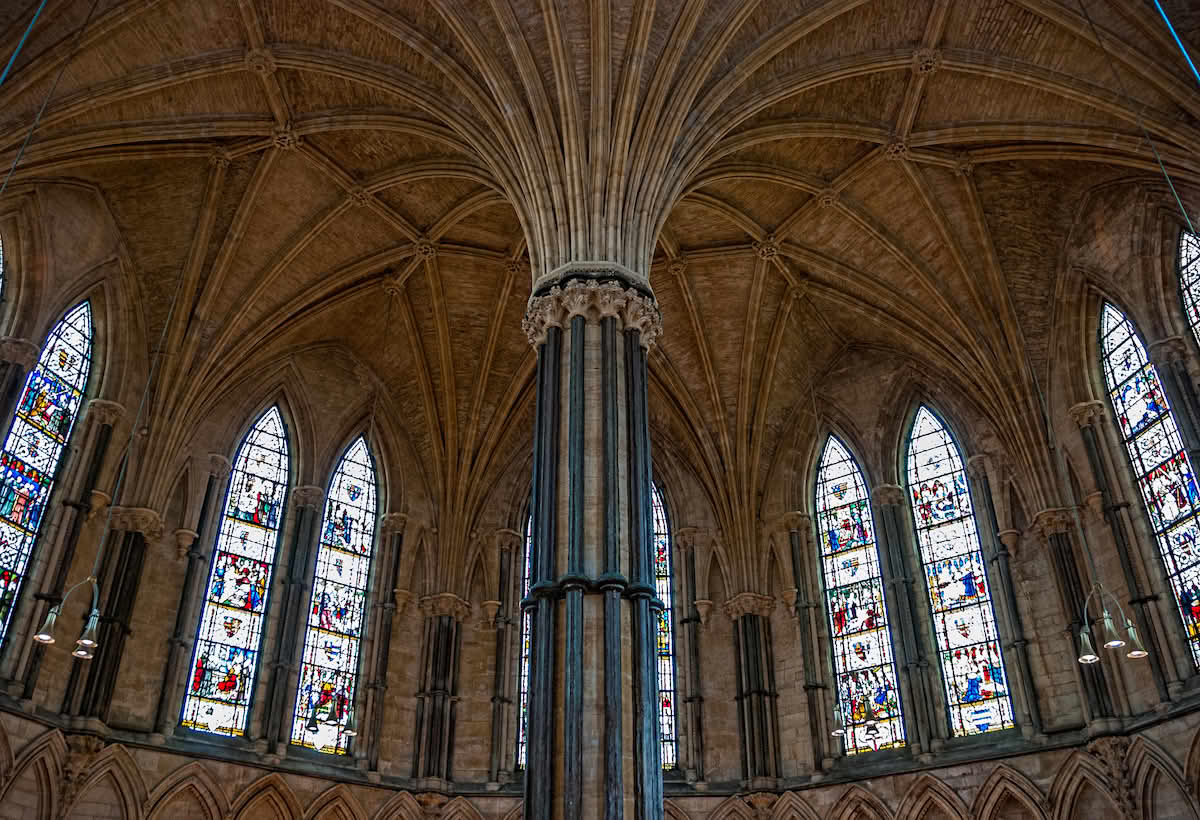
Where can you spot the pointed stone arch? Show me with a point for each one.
(336, 803)
(518, 811)
(113, 764)
(732, 808)
(1006, 785)
(790, 806)
(401, 807)
(32, 788)
(459, 809)
(928, 793)
(191, 780)
(1156, 778)
(1080, 773)
(7, 760)
(859, 804)
(671, 812)
(267, 797)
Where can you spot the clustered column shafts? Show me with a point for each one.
(392, 534)
(1086, 415)
(996, 552)
(693, 756)
(808, 614)
(593, 583)
(437, 701)
(1054, 526)
(757, 698)
(507, 617)
(921, 715)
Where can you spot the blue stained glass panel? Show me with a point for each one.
(37, 434)
(665, 649)
(960, 602)
(523, 667)
(225, 657)
(868, 698)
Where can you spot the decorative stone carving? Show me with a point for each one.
(749, 603)
(285, 138)
(793, 521)
(594, 271)
(508, 539)
(308, 495)
(490, 608)
(431, 804)
(106, 412)
(401, 597)
(964, 164)
(393, 285)
(828, 197)
(703, 609)
(445, 603)
(1167, 351)
(360, 197)
(760, 804)
(1054, 521)
(426, 249)
(219, 158)
(685, 538)
(1113, 755)
(219, 466)
(184, 538)
(1010, 539)
(393, 522)
(767, 249)
(977, 465)
(19, 351)
(260, 61)
(138, 519)
(513, 267)
(97, 501)
(926, 61)
(897, 149)
(888, 494)
(1087, 412)
(81, 751)
(595, 300)
(677, 267)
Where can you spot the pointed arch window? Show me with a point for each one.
(960, 601)
(523, 663)
(868, 697)
(665, 645)
(229, 634)
(329, 665)
(1189, 279)
(1155, 449)
(37, 434)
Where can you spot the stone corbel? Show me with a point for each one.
(184, 538)
(97, 501)
(138, 519)
(760, 804)
(308, 495)
(509, 539)
(19, 351)
(401, 597)
(1167, 351)
(1010, 539)
(392, 523)
(445, 603)
(219, 466)
(489, 610)
(1053, 521)
(749, 603)
(977, 465)
(105, 412)
(1087, 412)
(704, 609)
(888, 495)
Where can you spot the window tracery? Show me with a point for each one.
(1160, 463)
(38, 432)
(523, 663)
(229, 633)
(665, 644)
(868, 697)
(960, 602)
(1189, 279)
(330, 660)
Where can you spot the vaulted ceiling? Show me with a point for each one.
(825, 187)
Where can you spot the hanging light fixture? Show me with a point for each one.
(1112, 636)
(349, 730)
(312, 726)
(1136, 650)
(46, 633)
(1086, 653)
(838, 729)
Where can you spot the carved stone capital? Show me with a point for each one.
(1087, 412)
(138, 519)
(1113, 755)
(926, 61)
(260, 61)
(748, 603)
(19, 351)
(1010, 539)
(308, 495)
(791, 521)
(401, 597)
(704, 609)
(184, 538)
(888, 495)
(509, 539)
(445, 603)
(1167, 351)
(393, 522)
(977, 465)
(219, 466)
(1054, 521)
(594, 301)
(106, 412)
(592, 271)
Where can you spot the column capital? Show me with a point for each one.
(184, 538)
(106, 412)
(594, 300)
(138, 519)
(1167, 350)
(1010, 539)
(748, 603)
(393, 522)
(685, 538)
(445, 603)
(888, 495)
(1087, 412)
(977, 465)
(19, 351)
(219, 466)
(1053, 521)
(592, 270)
(791, 521)
(509, 539)
(308, 495)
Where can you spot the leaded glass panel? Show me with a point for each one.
(960, 602)
(37, 434)
(225, 657)
(868, 697)
(665, 644)
(523, 666)
(1189, 279)
(329, 664)
(1155, 449)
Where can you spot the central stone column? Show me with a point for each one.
(593, 736)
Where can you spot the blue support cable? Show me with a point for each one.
(29, 28)
(1171, 29)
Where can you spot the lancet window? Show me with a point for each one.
(1155, 449)
(523, 664)
(329, 665)
(228, 638)
(37, 434)
(868, 698)
(960, 601)
(1189, 279)
(665, 645)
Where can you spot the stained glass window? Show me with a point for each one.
(1189, 279)
(665, 652)
(960, 600)
(225, 658)
(36, 437)
(523, 666)
(868, 697)
(1164, 473)
(329, 665)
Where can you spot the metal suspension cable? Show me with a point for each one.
(1163, 13)
(21, 43)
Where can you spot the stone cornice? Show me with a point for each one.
(445, 603)
(748, 603)
(1087, 412)
(19, 351)
(594, 301)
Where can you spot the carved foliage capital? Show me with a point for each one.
(19, 351)
(1054, 521)
(308, 495)
(1087, 412)
(594, 301)
(749, 603)
(393, 522)
(138, 519)
(445, 603)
